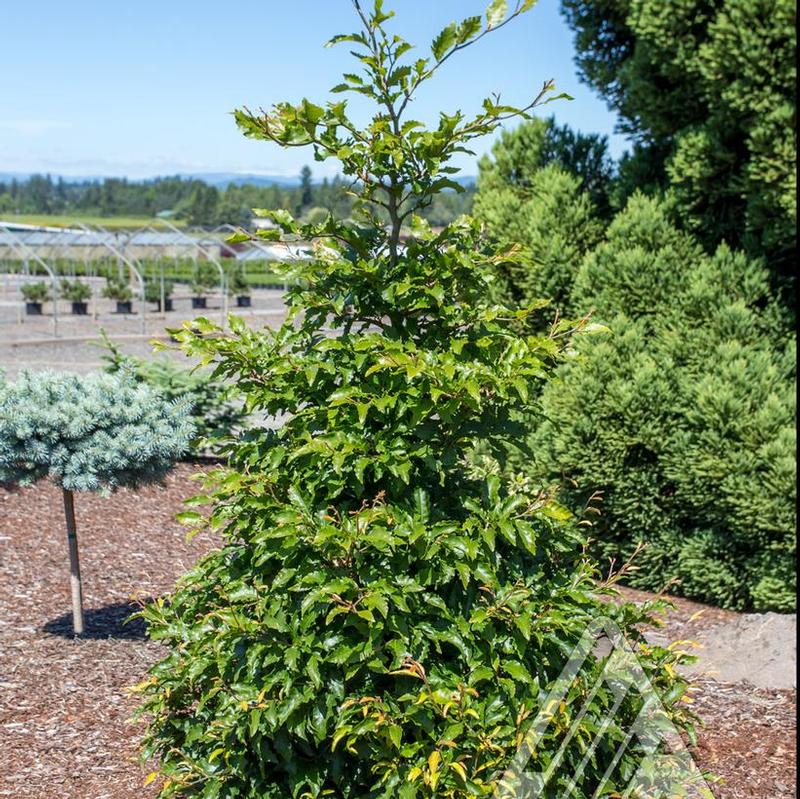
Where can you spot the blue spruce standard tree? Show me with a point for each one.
(87, 433)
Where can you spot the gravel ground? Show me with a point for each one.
(30, 343)
(64, 712)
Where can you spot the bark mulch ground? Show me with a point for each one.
(64, 712)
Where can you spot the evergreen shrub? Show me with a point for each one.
(152, 290)
(35, 292)
(92, 432)
(237, 281)
(118, 289)
(215, 411)
(205, 279)
(74, 290)
(87, 433)
(522, 151)
(706, 89)
(536, 191)
(683, 417)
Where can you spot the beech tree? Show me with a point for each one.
(387, 614)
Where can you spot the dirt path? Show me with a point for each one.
(755, 648)
(64, 730)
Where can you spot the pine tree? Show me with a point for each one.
(707, 89)
(543, 210)
(306, 188)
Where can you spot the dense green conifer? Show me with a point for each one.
(683, 416)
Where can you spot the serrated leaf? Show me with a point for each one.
(444, 41)
(496, 13)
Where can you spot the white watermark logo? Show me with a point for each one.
(664, 766)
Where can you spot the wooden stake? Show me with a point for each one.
(74, 564)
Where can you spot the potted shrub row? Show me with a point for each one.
(152, 293)
(36, 294)
(239, 287)
(204, 281)
(77, 292)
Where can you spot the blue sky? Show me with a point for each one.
(146, 88)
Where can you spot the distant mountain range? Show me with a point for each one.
(218, 179)
(224, 179)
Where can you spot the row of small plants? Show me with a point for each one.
(78, 292)
(255, 272)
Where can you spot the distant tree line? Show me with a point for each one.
(196, 201)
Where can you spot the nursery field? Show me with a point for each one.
(451, 425)
(64, 709)
(31, 344)
(67, 220)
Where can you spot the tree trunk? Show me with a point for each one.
(74, 564)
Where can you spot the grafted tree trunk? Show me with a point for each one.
(74, 564)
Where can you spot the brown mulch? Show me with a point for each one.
(64, 712)
(689, 617)
(749, 739)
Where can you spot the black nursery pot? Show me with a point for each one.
(33, 308)
(198, 302)
(124, 306)
(243, 301)
(80, 308)
(167, 304)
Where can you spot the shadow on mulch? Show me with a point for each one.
(109, 621)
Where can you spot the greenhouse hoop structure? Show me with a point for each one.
(148, 260)
(45, 268)
(24, 254)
